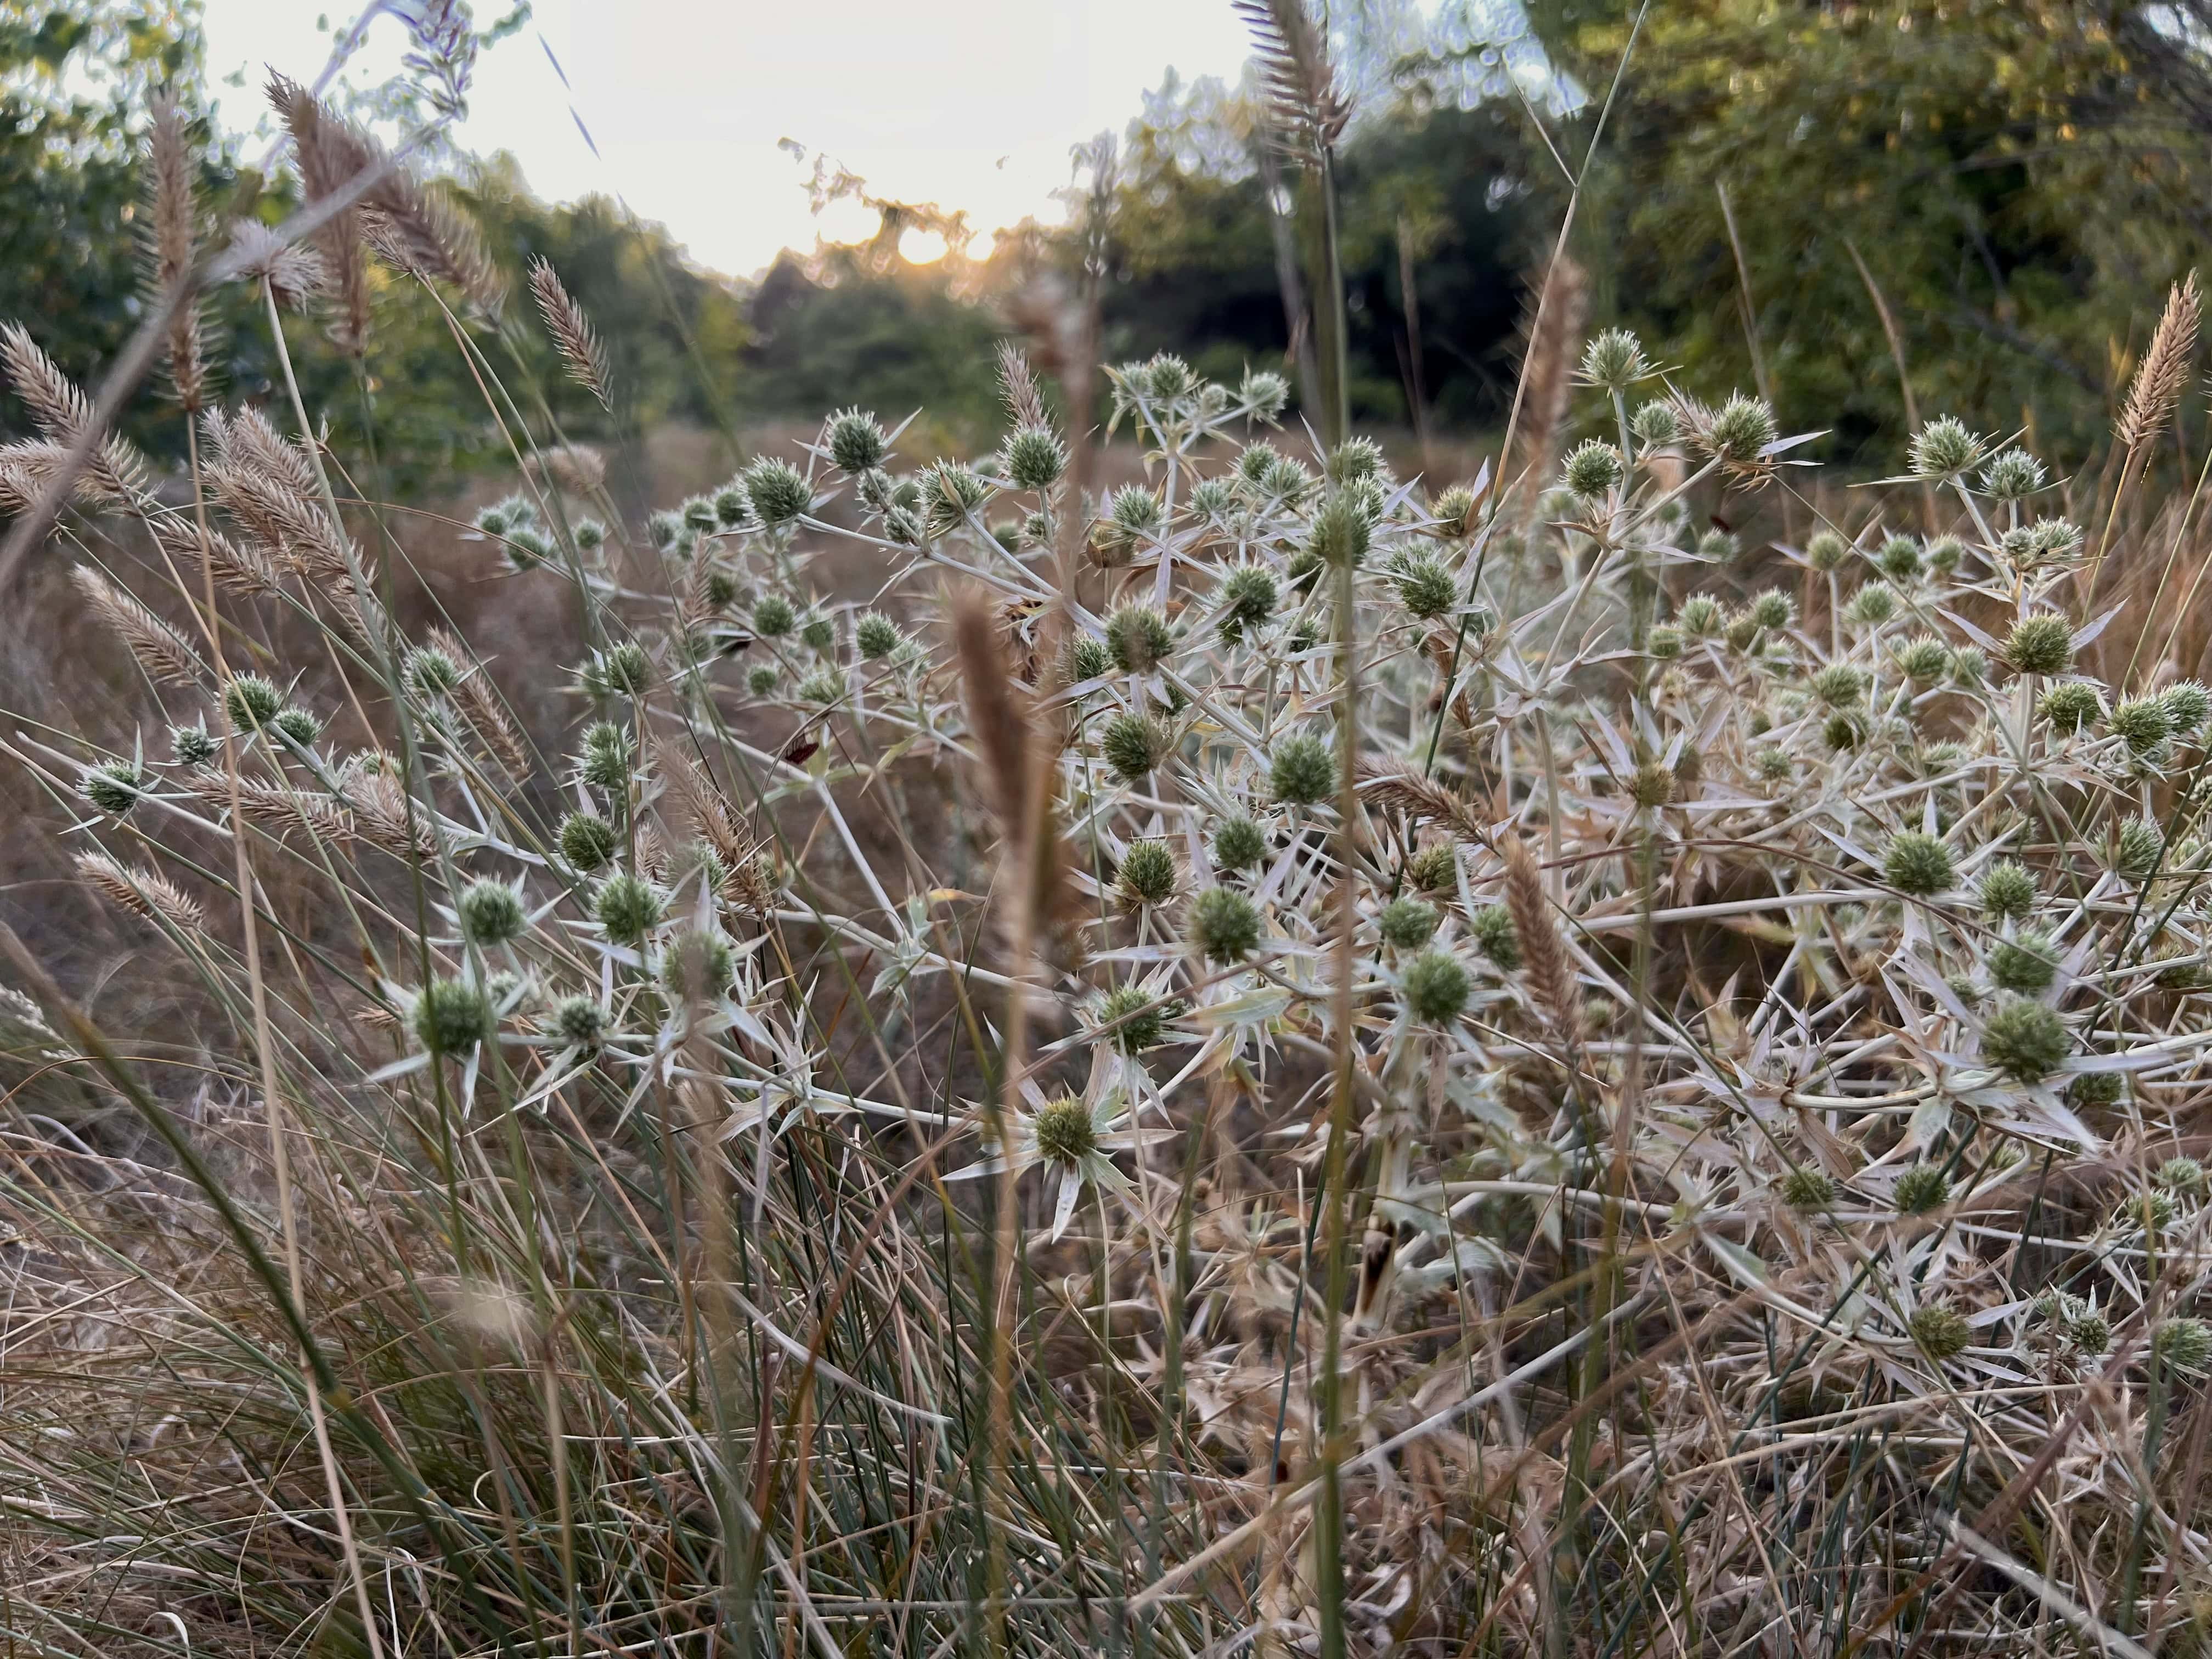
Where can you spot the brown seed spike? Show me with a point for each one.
(174, 215)
(1293, 55)
(1551, 972)
(572, 333)
(2157, 384)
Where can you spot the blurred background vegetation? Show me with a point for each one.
(1803, 196)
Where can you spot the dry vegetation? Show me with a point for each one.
(964, 1060)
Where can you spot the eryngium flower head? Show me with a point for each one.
(1133, 745)
(1223, 924)
(627, 908)
(1340, 531)
(1247, 597)
(1139, 637)
(877, 635)
(2070, 706)
(1301, 771)
(1148, 874)
(252, 701)
(1087, 659)
(1923, 658)
(1839, 685)
(1652, 784)
(1944, 554)
(114, 787)
(1239, 843)
(1899, 558)
(580, 1021)
(1918, 864)
(1740, 429)
(2183, 1346)
(1614, 360)
(2012, 475)
(1264, 393)
(1436, 988)
(1425, 588)
(2026, 964)
(1772, 609)
(491, 912)
(1454, 511)
(777, 491)
(2181, 1175)
(1807, 1188)
(2026, 1041)
(1593, 469)
(2007, 891)
(774, 616)
(1921, 1189)
(1700, 615)
(1434, 868)
(1065, 1133)
(1970, 665)
(1944, 448)
(1034, 458)
(2041, 645)
(1140, 1020)
(621, 670)
(191, 745)
(452, 1016)
(2188, 706)
(1353, 460)
(431, 672)
(1656, 424)
(296, 726)
(588, 841)
(1873, 604)
(1942, 1333)
(2138, 850)
(1491, 929)
(1827, 551)
(1406, 924)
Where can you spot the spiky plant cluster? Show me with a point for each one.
(1343, 1057)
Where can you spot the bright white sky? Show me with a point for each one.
(972, 105)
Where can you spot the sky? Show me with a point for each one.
(973, 105)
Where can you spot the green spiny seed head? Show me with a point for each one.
(774, 616)
(452, 1016)
(1034, 458)
(1840, 686)
(2183, 1346)
(1454, 511)
(777, 491)
(2012, 475)
(1212, 498)
(1873, 604)
(1653, 784)
(2026, 1041)
(662, 527)
(2041, 645)
(114, 787)
(1920, 1188)
(1353, 460)
(1827, 551)
(1663, 642)
(296, 726)
(1594, 469)
(818, 634)
(1656, 424)
(2026, 965)
(492, 520)
(1256, 461)
(1148, 875)
(2181, 1175)
(1773, 764)
(1741, 429)
(761, 679)
(1944, 448)
(1719, 546)
(492, 912)
(627, 907)
(1301, 771)
(431, 672)
(1139, 639)
(1923, 658)
(1288, 481)
(700, 514)
(1899, 558)
(2143, 723)
(1491, 929)
(1841, 731)
(1223, 924)
(698, 962)
(2089, 1333)
(1340, 531)
(1944, 555)
(731, 505)
(2096, 1089)
(1918, 864)
(1239, 843)
(1614, 360)
(580, 1021)
(2138, 850)
(856, 442)
(1436, 988)
(2150, 1213)
(1970, 665)
(190, 745)
(1941, 1333)
(1247, 598)
(877, 635)
(1425, 588)
(1406, 924)
(1700, 615)
(623, 669)
(1086, 659)
(1965, 987)
(588, 841)
(590, 534)
(1434, 868)
(2070, 706)
(527, 547)
(1065, 1133)
(1139, 1020)
(252, 701)
(822, 687)
(1772, 610)
(2188, 706)
(1807, 1188)
(1133, 745)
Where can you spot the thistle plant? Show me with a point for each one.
(1524, 1018)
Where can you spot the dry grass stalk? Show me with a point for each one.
(573, 334)
(1558, 309)
(173, 214)
(1018, 386)
(64, 414)
(705, 810)
(1308, 108)
(1406, 788)
(152, 643)
(146, 892)
(1550, 971)
(2159, 382)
